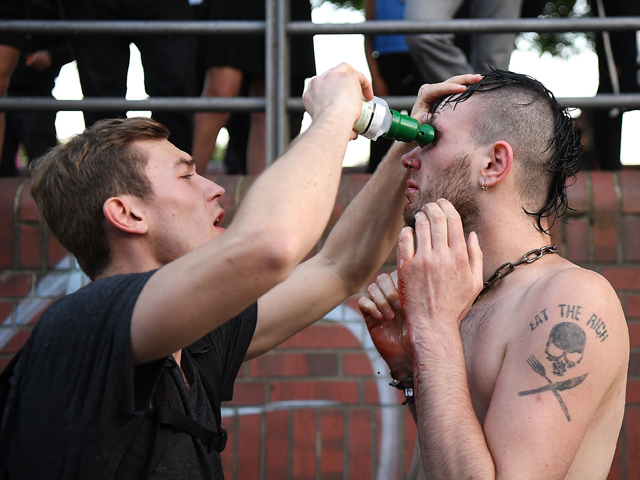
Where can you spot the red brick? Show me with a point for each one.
(622, 278)
(338, 208)
(55, 251)
(8, 188)
(341, 392)
(249, 446)
(371, 395)
(616, 465)
(304, 440)
(634, 364)
(634, 333)
(249, 393)
(15, 285)
(630, 243)
(556, 236)
(360, 445)
(277, 444)
(284, 365)
(30, 246)
(577, 238)
(630, 186)
(322, 336)
(17, 340)
(633, 391)
(28, 208)
(410, 432)
(357, 364)
(6, 308)
(633, 306)
(605, 233)
(632, 433)
(578, 194)
(27, 306)
(332, 440)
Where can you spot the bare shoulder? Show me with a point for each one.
(560, 391)
(576, 315)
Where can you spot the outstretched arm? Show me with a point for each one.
(280, 220)
(356, 248)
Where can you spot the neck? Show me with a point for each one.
(129, 257)
(506, 239)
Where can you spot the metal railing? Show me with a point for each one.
(277, 30)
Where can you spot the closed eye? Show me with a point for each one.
(187, 176)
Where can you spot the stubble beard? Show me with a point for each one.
(456, 186)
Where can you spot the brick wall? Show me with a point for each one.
(319, 406)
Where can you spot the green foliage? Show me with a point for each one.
(357, 4)
(560, 44)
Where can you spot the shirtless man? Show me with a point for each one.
(524, 378)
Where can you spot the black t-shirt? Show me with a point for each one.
(76, 401)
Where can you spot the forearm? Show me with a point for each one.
(301, 185)
(452, 443)
(368, 230)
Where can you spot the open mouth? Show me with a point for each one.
(218, 220)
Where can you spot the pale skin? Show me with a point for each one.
(207, 274)
(476, 364)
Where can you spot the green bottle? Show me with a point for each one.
(378, 120)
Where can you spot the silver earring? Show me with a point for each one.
(484, 189)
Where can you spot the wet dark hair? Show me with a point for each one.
(545, 139)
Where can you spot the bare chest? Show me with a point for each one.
(484, 338)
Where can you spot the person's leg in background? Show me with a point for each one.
(169, 65)
(219, 82)
(436, 55)
(9, 148)
(493, 49)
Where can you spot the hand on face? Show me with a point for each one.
(385, 320)
(342, 88)
(441, 276)
(430, 93)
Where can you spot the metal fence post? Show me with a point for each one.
(284, 76)
(271, 147)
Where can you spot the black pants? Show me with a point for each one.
(168, 60)
(35, 130)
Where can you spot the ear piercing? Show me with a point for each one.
(484, 189)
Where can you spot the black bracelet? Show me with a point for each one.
(401, 384)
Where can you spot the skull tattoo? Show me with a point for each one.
(565, 347)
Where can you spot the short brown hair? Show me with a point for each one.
(72, 182)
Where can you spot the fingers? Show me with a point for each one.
(384, 300)
(475, 257)
(455, 234)
(369, 309)
(406, 250)
(429, 93)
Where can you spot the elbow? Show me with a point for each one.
(278, 256)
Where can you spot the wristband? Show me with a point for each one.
(401, 384)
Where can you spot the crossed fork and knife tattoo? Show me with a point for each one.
(554, 387)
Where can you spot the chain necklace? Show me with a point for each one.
(506, 268)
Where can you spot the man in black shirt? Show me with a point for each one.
(142, 224)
